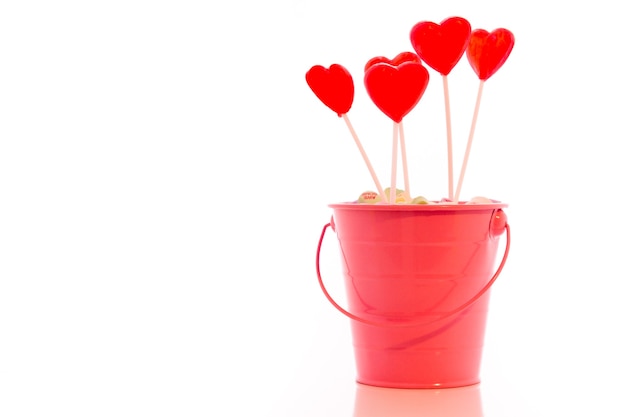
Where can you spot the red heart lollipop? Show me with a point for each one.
(396, 90)
(333, 86)
(487, 52)
(441, 46)
(399, 59)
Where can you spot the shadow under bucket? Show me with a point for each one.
(417, 281)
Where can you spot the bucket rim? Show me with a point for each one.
(461, 206)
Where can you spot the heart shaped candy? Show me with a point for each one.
(441, 46)
(487, 51)
(397, 60)
(333, 86)
(395, 90)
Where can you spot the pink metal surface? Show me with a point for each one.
(417, 281)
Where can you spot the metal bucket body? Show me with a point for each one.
(417, 278)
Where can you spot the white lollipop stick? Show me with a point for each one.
(469, 141)
(394, 164)
(381, 192)
(404, 163)
(446, 96)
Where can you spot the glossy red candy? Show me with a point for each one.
(395, 90)
(397, 60)
(487, 51)
(441, 46)
(333, 86)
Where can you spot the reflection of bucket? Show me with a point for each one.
(389, 402)
(417, 280)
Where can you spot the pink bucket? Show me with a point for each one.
(417, 281)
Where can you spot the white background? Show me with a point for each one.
(165, 173)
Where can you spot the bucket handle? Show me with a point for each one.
(409, 324)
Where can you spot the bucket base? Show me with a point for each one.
(445, 354)
(414, 385)
(426, 369)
